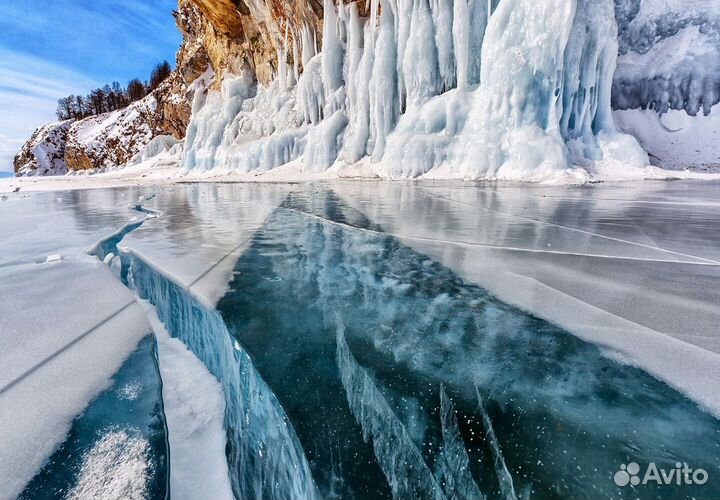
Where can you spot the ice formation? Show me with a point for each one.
(452, 469)
(404, 92)
(400, 460)
(667, 84)
(264, 456)
(668, 55)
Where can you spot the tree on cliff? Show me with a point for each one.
(158, 75)
(110, 97)
(136, 90)
(65, 108)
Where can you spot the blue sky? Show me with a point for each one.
(53, 48)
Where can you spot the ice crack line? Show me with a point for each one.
(582, 231)
(67, 346)
(709, 262)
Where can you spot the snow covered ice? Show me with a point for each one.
(359, 339)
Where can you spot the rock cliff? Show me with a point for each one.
(107, 140)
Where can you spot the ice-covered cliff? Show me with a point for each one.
(401, 88)
(406, 92)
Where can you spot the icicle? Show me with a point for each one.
(281, 50)
(507, 490)
(308, 44)
(404, 14)
(354, 43)
(477, 18)
(461, 41)
(296, 62)
(373, 16)
(420, 64)
(358, 132)
(541, 109)
(442, 14)
(383, 84)
(332, 52)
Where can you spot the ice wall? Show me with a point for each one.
(404, 93)
(667, 85)
(263, 453)
(668, 55)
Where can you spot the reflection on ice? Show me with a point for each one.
(552, 403)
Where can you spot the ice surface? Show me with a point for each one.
(565, 255)
(194, 407)
(117, 449)
(202, 231)
(550, 402)
(59, 351)
(81, 217)
(354, 339)
(65, 318)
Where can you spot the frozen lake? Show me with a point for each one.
(359, 340)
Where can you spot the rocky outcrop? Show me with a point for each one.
(44, 152)
(110, 139)
(242, 34)
(235, 35)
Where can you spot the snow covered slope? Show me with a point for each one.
(107, 140)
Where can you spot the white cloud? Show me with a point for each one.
(29, 90)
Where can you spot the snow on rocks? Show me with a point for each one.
(44, 152)
(108, 140)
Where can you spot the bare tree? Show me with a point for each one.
(111, 97)
(65, 108)
(136, 90)
(158, 75)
